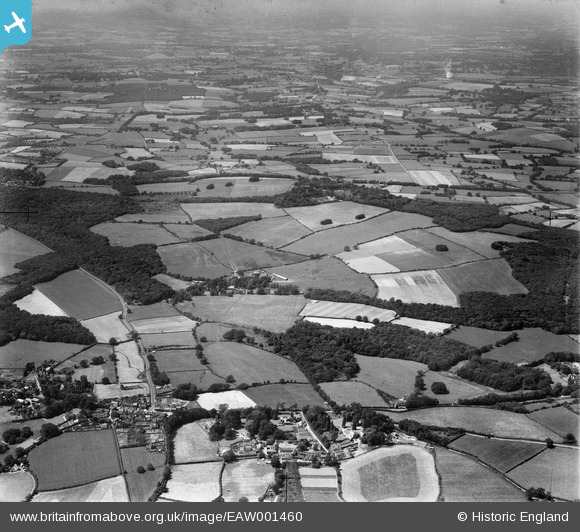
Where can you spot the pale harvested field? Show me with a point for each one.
(235, 399)
(192, 445)
(432, 178)
(249, 364)
(108, 490)
(38, 303)
(463, 479)
(246, 478)
(130, 365)
(333, 241)
(340, 323)
(194, 482)
(14, 487)
(341, 213)
(164, 325)
(285, 395)
(345, 393)
(435, 327)
(132, 234)
(331, 309)
(327, 272)
(106, 327)
(477, 241)
(270, 312)
(323, 478)
(391, 474)
(500, 423)
(556, 470)
(202, 211)
(154, 341)
(415, 287)
(275, 232)
(16, 248)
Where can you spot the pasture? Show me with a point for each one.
(191, 260)
(170, 217)
(533, 344)
(340, 323)
(391, 474)
(80, 295)
(242, 187)
(333, 241)
(249, 364)
(202, 379)
(341, 213)
(14, 487)
(171, 360)
(172, 282)
(169, 324)
(106, 327)
(493, 275)
(17, 248)
(132, 234)
(463, 479)
(559, 419)
(246, 478)
(194, 482)
(38, 303)
(156, 341)
(270, 312)
(487, 421)
(186, 231)
(326, 272)
(285, 396)
(243, 256)
(192, 444)
(330, 309)
(156, 310)
(345, 393)
(203, 211)
(75, 458)
(556, 470)
(415, 287)
(502, 455)
(274, 232)
(477, 337)
(16, 354)
(107, 490)
(213, 332)
(142, 485)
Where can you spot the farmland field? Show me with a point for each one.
(333, 241)
(502, 455)
(242, 187)
(243, 256)
(171, 360)
(194, 482)
(485, 276)
(112, 391)
(345, 393)
(327, 272)
(330, 309)
(192, 445)
(319, 485)
(533, 344)
(169, 324)
(171, 217)
(202, 211)
(186, 231)
(106, 327)
(17, 353)
(393, 474)
(38, 303)
(142, 485)
(426, 326)
(246, 478)
(275, 232)
(500, 423)
(341, 213)
(340, 323)
(202, 379)
(477, 337)
(14, 487)
(415, 287)
(172, 282)
(284, 395)
(234, 398)
(75, 458)
(270, 312)
(130, 365)
(80, 296)
(154, 341)
(249, 364)
(191, 260)
(463, 479)
(17, 248)
(559, 419)
(156, 310)
(556, 470)
(132, 234)
(107, 490)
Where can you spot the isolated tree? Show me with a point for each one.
(140, 470)
(549, 443)
(439, 388)
(229, 457)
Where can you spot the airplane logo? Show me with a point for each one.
(17, 22)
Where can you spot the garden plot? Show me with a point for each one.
(340, 213)
(234, 399)
(340, 323)
(434, 327)
(191, 260)
(133, 234)
(393, 474)
(15, 248)
(107, 490)
(164, 325)
(246, 478)
(428, 178)
(202, 211)
(330, 309)
(415, 287)
(319, 485)
(194, 482)
(275, 232)
(38, 303)
(107, 327)
(192, 444)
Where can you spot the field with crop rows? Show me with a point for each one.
(330, 309)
